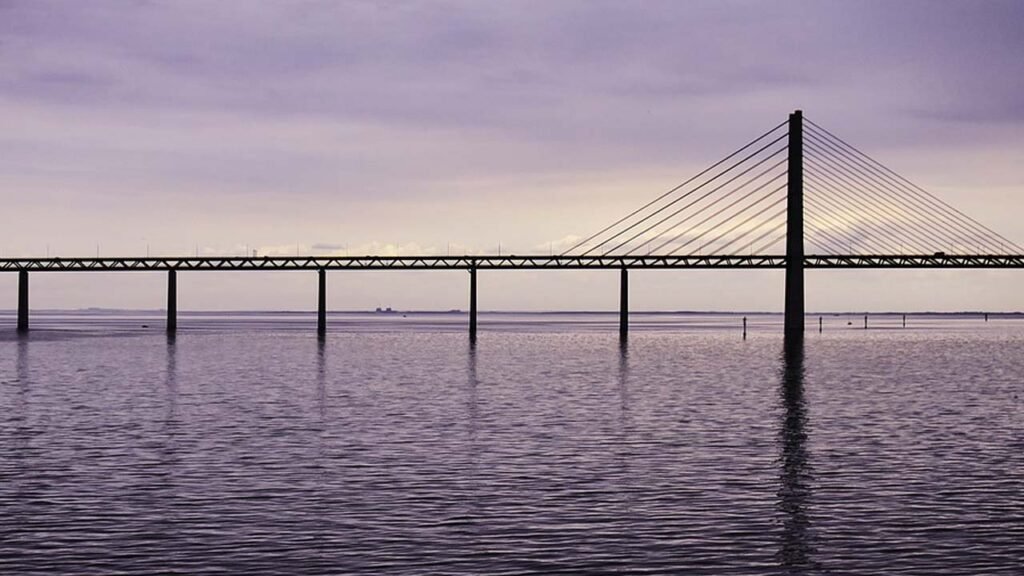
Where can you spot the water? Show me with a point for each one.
(244, 446)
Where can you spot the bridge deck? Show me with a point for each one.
(505, 262)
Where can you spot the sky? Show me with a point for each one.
(172, 128)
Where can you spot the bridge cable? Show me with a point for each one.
(676, 188)
(733, 228)
(742, 249)
(922, 195)
(835, 218)
(922, 214)
(914, 190)
(812, 241)
(876, 205)
(880, 230)
(684, 196)
(954, 232)
(820, 186)
(855, 233)
(702, 197)
(953, 235)
(712, 216)
(916, 223)
(826, 243)
(884, 203)
(764, 222)
(826, 225)
(839, 233)
(760, 199)
(763, 248)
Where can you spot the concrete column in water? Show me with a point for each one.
(321, 309)
(172, 301)
(472, 304)
(624, 302)
(22, 300)
(794, 322)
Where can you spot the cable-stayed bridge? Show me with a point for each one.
(795, 187)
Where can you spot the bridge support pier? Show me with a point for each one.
(22, 301)
(321, 309)
(172, 301)
(472, 304)
(624, 303)
(794, 321)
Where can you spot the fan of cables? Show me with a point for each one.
(852, 205)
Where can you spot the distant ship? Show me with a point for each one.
(387, 310)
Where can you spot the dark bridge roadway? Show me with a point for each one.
(504, 262)
(23, 266)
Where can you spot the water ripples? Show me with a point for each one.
(409, 452)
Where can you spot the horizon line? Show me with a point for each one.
(391, 311)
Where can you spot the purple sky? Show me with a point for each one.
(366, 126)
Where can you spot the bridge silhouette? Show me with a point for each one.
(759, 207)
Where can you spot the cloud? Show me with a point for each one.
(398, 127)
(559, 246)
(327, 247)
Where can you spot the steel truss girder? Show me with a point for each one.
(505, 262)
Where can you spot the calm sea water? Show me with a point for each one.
(245, 446)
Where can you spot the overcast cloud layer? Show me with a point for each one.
(424, 127)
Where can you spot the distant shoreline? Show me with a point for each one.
(161, 311)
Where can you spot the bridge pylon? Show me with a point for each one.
(794, 319)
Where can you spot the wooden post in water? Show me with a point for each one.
(23, 301)
(794, 320)
(819, 325)
(904, 320)
(986, 316)
(744, 327)
(172, 301)
(321, 308)
(865, 321)
(472, 304)
(624, 303)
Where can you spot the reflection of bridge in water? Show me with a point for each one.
(795, 470)
(796, 185)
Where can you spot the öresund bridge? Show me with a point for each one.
(793, 187)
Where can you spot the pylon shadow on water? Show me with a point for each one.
(472, 383)
(321, 377)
